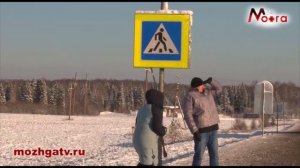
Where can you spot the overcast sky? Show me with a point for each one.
(54, 40)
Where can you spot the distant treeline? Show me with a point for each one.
(93, 96)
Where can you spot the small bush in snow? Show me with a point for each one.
(253, 124)
(176, 132)
(2, 94)
(239, 124)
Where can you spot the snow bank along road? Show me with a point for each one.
(99, 140)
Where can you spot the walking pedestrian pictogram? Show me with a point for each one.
(161, 43)
(161, 40)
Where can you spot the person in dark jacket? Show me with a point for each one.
(148, 128)
(201, 116)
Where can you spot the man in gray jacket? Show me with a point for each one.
(201, 116)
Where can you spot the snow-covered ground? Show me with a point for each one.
(106, 139)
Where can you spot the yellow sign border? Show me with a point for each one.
(185, 33)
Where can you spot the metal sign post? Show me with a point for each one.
(146, 79)
(161, 79)
(277, 115)
(263, 109)
(164, 6)
(263, 122)
(283, 113)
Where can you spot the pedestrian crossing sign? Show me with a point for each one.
(161, 40)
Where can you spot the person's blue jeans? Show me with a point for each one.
(210, 140)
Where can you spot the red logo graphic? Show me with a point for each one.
(266, 18)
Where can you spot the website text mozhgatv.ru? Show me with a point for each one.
(48, 152)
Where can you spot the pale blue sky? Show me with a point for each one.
(54, 40)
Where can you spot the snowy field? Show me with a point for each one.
(106, 139)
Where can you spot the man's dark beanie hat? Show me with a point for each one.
(196, 82)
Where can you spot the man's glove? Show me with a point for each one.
(197, 136)
(208, 80)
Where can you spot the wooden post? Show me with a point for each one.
(146, 79)
(154, 82)
(283, 113)
(70, 97)
(85, 94)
